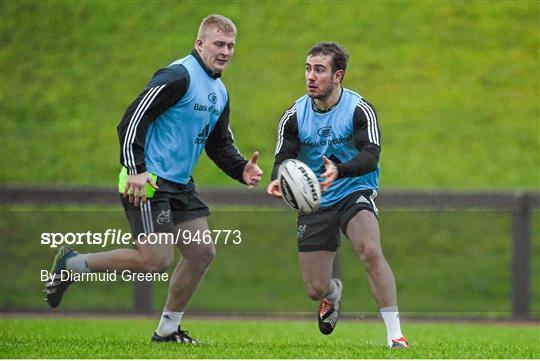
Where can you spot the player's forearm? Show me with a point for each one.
(364, 162)
(221, 149)
(288, 151)
(135, 168)
(228, 159)
(132, 151)
(275, 170)
(234, 169)
(288, 144)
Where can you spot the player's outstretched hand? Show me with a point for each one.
(273, 189)
(136, 187)
(252, 173)
(330, 174)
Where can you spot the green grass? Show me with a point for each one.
(455, 83)
(129, 338)
(430, 254)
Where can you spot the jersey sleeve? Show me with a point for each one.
(220, 148)
(288, 144)
(366, 139)
(166, 88)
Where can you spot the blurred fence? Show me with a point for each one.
(520, 204)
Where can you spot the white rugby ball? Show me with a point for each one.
(299, 186)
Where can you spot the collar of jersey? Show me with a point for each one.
(316, 109)
(201, 63)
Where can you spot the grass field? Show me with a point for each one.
(455, 83)
(129, 338)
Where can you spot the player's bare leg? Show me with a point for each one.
(363, 231)
(146, 258)
(316, 268)
(196, 258)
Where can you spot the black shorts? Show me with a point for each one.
(171, 204)
(319, 231)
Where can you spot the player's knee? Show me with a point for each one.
(371, 255)
(204, 255)
(210, 254)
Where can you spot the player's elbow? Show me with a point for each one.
(371, 154)
(372, 164)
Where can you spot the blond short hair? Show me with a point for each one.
(219, 21)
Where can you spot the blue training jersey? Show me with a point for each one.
(181, 132)
(347, 134)
(183, 110)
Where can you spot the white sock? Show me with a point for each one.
(390, 316)
(78, 263)
(169, 322)
(335, 294)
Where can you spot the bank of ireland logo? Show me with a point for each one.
(164, 217)
(325, 132)
(212, 97)
(202, 137)
(301, 230)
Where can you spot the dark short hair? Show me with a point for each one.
(339, 54)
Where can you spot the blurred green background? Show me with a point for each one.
(455, 83)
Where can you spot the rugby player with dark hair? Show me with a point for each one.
(335, 131)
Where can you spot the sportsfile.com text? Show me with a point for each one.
(118, 237)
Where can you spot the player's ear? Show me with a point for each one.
(198, 45)
(338, 76)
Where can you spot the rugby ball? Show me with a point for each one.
(299, 186)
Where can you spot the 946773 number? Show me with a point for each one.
(215, 236)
